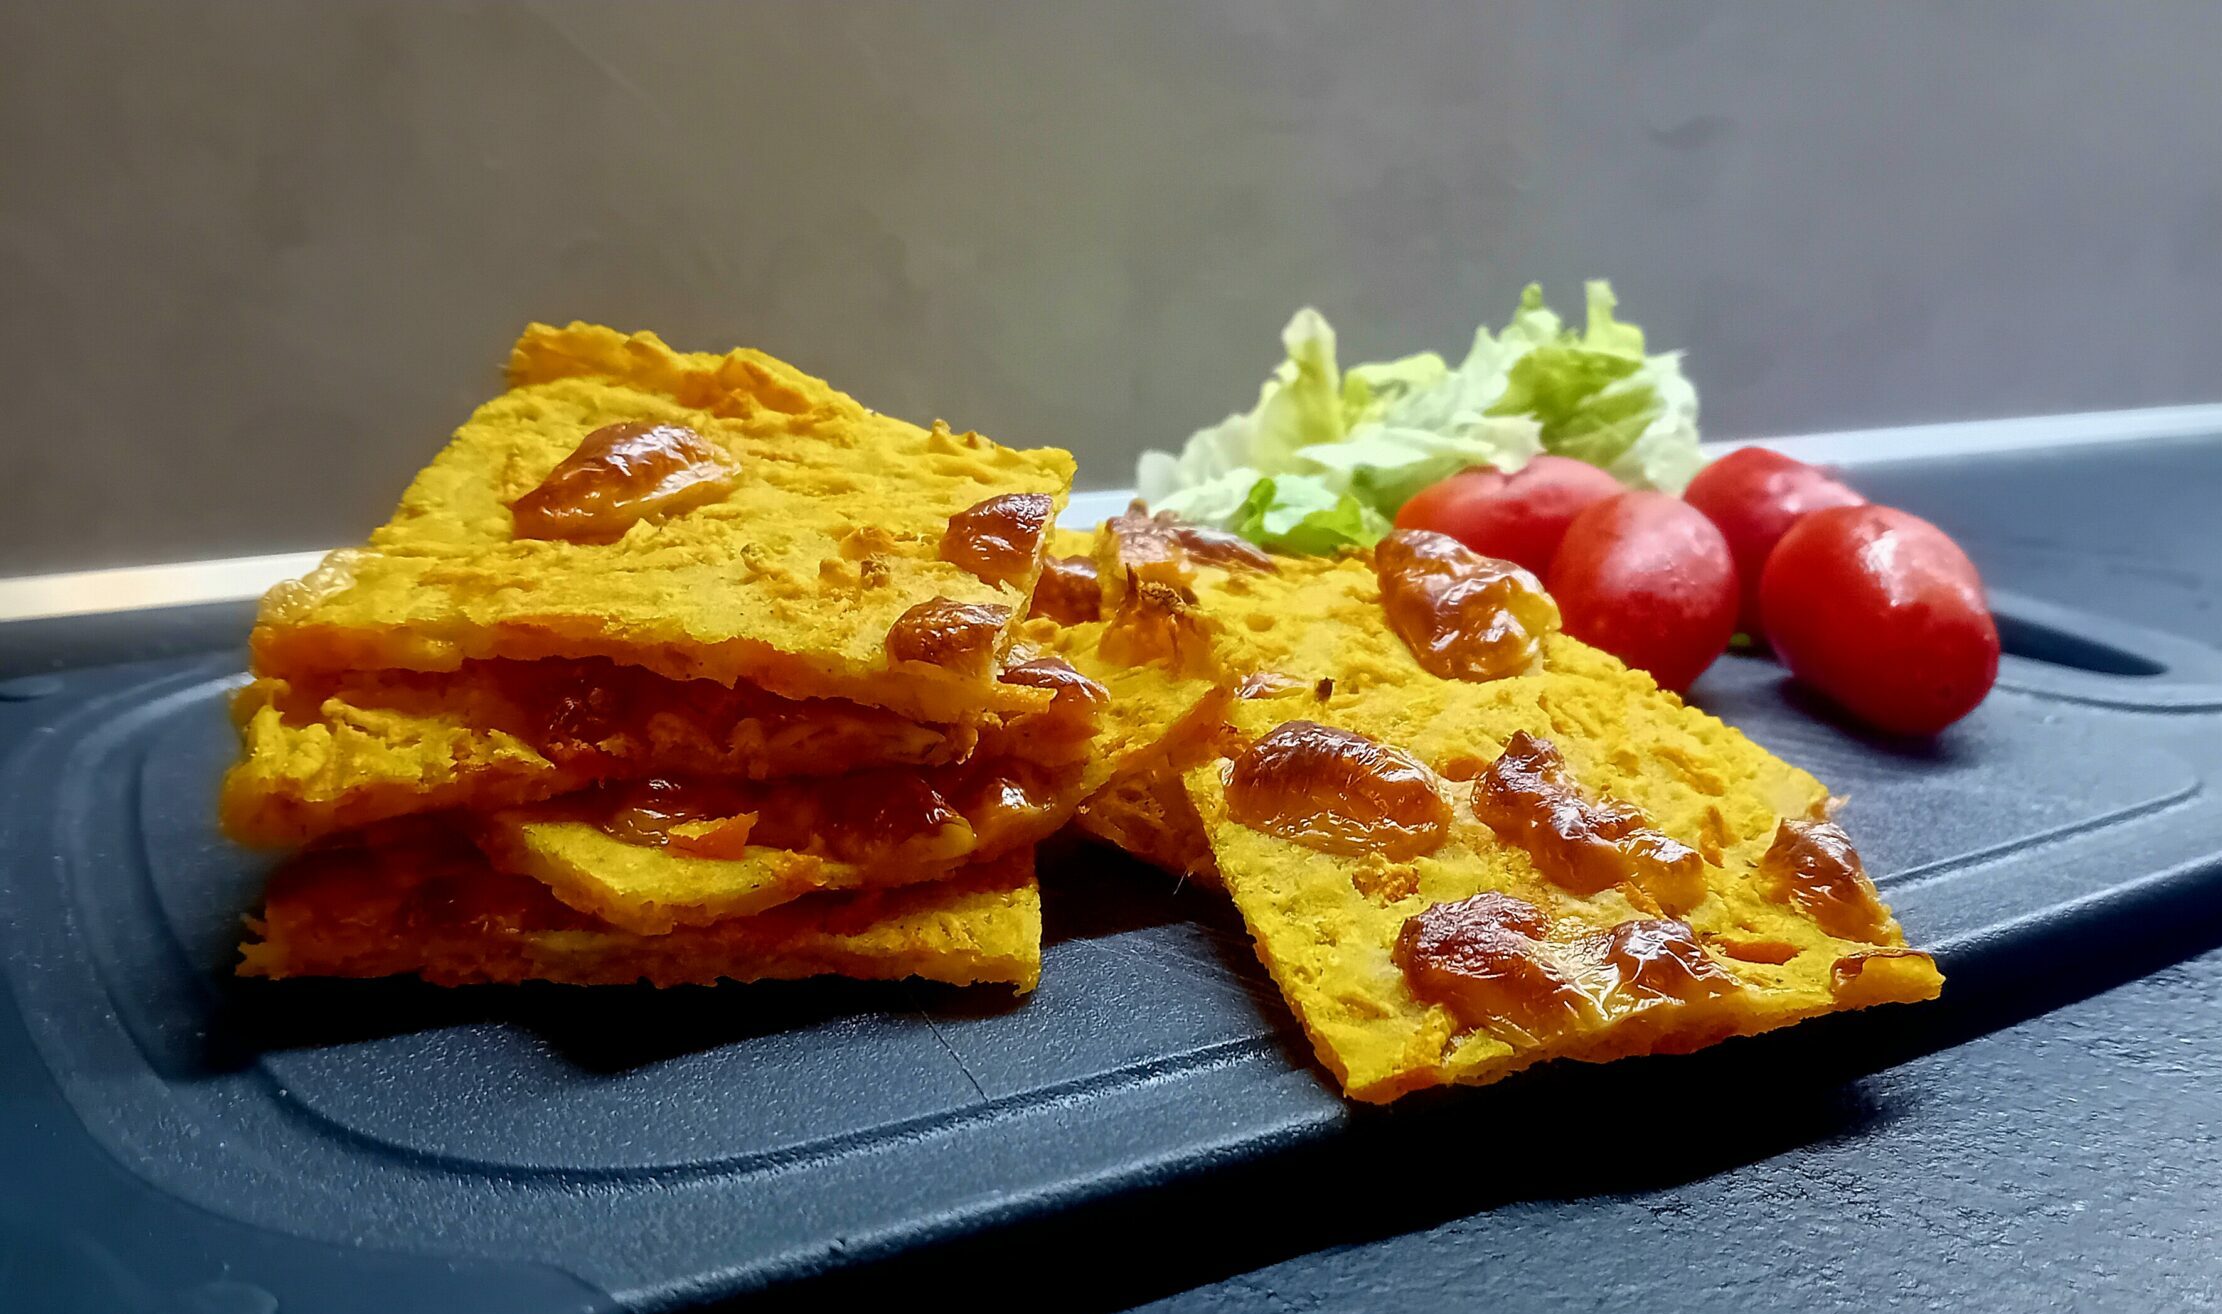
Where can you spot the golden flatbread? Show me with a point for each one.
(815, 557)
(415, 898)
(1452, 879)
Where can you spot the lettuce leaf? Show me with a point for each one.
(1297, 513)
(1665, 455)
(1213, 502)
(1581, 387)
(1300, 405)
(1370, 390)
(1430, 432)
(1384, 465)
(1326, 456)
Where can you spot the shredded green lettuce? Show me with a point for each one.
(1327, 456)
(1297, 513)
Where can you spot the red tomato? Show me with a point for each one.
(1519, 517)
(1647, 578)
(1881, 611)
(1754, 496)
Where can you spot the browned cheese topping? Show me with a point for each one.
(1813, 867)
(1068, 591)
(1637, 965)
(1483, 959)
(1464, 616)
(998, 540)
(704, 820)
(622, 473)
(1163, 546)
(1488, 960)
(1583, 845)
(958, 636)
(1060, 677)
(862, 817)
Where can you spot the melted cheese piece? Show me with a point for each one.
(416, 899)
(793, 580)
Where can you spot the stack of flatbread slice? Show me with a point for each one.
(673, 667)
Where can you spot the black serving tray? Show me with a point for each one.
(172, 1138)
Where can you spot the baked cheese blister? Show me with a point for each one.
(416, 898)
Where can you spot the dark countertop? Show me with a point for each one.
(2065, 1160)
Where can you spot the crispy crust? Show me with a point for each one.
(367, 746)
(1146, 813)
(417, 899)
(650, 890)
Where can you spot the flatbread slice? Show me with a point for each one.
(416, 899)
(1639, 877)
(759, 527)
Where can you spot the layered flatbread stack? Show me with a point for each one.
(671, 667)
(681, 668)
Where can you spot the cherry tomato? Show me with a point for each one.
(1648, 578)
(1881, 611)
(1519, 517)
(1754, 495)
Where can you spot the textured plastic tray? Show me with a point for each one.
(173, 1138)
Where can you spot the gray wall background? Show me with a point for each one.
(257, 258)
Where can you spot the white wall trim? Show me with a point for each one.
(1923, 442)
(133, 588)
